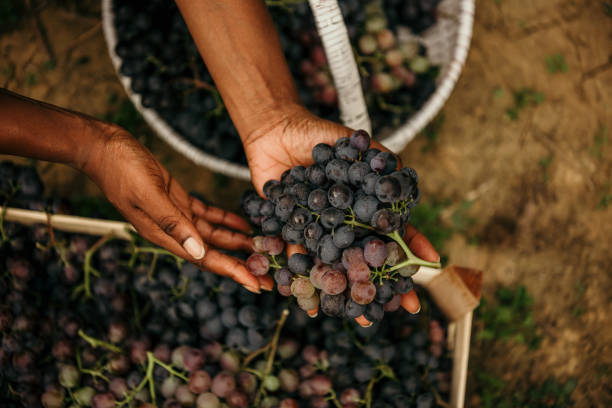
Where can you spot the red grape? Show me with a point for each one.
(258, 264)
(363, 292)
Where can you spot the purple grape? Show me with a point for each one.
(360, 140)
(375, 253)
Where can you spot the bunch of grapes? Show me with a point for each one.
(90, 322)
(220, 309)
(348, 210)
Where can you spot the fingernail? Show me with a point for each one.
(266, 289)
(194, 248)
(252, 289)
(418, 310)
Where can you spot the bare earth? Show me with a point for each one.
(539, 186)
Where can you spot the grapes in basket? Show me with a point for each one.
(159, 56)
(348, 210)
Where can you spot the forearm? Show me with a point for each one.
(41, 131)
(239, 43)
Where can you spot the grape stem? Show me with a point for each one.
(333, 398)
(93, 373)
(274, 264)
(88, 269)
(95, 343)
(148, 379)
(272, 353)
(412, 258)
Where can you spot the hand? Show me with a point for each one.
(288, 142)
(162, 212)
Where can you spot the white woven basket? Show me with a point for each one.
(447, 43)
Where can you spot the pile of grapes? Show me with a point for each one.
(349, 210)
(165, 69)
(96, 322)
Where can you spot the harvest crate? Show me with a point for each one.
(455, 290)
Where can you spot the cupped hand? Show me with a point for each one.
(288, 142)
(143, 191)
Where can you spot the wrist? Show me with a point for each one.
(275, 118)
(90, 155)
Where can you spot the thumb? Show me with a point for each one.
(176, 226)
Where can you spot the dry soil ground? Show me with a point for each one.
(521, 163)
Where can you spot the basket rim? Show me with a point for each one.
(395, 142)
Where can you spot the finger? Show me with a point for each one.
(213, 260)
(218, 216)
(174, 223)
(363, 322)
(410, 302)
(223, 238)
(266, 282)
(420, 245)
(231, 267)
(313, 312)
(295, 249)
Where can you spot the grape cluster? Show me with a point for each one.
(219, 308)
(166, 71)
(348, 210)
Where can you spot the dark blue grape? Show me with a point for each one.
(369, 183)
(300, 263)
(332, 217)
(300, 217)
(340, 196)
(364, 208)
(322, 153)
(315, 174)
(374, 312)
(247, 316)
(267, 209)
(271, 226)
(284, 207)
(236, 338)
(386, 221)
(229, 317)
(267, 187)
(369, 155)
(327, 251)
(360, 140)
(332, 305)
(317, 200)
(403, 285)
(313, 231)
(283, 276)
(353, 309)
(388, 189)
(297, 173)
(357, 172)
(344, 236)
(300, 191)
(337, 171)
(384, 292)
(292, 235)
(345, 151)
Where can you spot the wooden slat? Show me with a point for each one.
(70, 223)
(461, 355)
